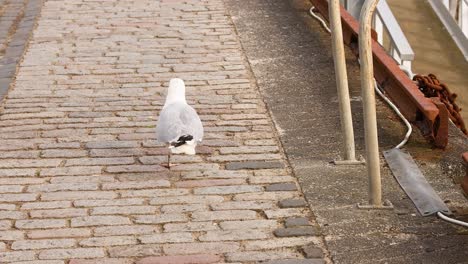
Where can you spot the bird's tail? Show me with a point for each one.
(184, 145)
(188, 149)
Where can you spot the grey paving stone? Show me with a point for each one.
(296, 231)
(9, 60)
(281, 187)
(220, 143)
(6, 71)
(312, 251)
(295, 261)
(111, 144)
(15, 51)
(4, 85)
(253, 165)
(296, 221)
(292, 203)
(25, 25)
(3, 34)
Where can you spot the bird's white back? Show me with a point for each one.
(177, 118)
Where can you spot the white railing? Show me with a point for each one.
(399, 47)
(388, 30)
(463, 17)
(458, 9)
(454, 15)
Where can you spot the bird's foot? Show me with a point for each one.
(168, 165)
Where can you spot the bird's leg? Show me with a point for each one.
(169, 161)
(168, 165)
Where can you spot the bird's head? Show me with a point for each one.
(176, 91)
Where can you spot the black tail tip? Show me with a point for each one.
(182, 140)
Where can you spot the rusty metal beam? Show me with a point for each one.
(418, 109)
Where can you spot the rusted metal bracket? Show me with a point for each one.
(418, 109)
(464, 183)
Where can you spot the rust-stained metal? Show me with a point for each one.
(464, 183)
(441, 122)
(430, 86)
(418, 109)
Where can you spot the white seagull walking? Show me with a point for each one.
(178, 125)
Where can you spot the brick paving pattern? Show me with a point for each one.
(80, 174)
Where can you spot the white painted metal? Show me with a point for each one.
(451, 25)
(446, 3)
(463, 17)
(378, 27)
(406, 68)
(384, 19)
(397, 37)
(341, 78)
(368, 98)
(453, 8)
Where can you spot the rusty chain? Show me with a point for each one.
(430, 86)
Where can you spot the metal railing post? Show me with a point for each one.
(453, 4)
(341, 78)
(368, 99)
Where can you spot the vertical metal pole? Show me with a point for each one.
(368, 98)
(446, 4)
(379, 29)
(463, 17)
(342, 82)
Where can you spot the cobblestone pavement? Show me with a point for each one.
(17, 19)
(80, 180)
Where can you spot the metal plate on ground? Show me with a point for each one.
(414, 183)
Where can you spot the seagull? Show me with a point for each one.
(179, 125)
